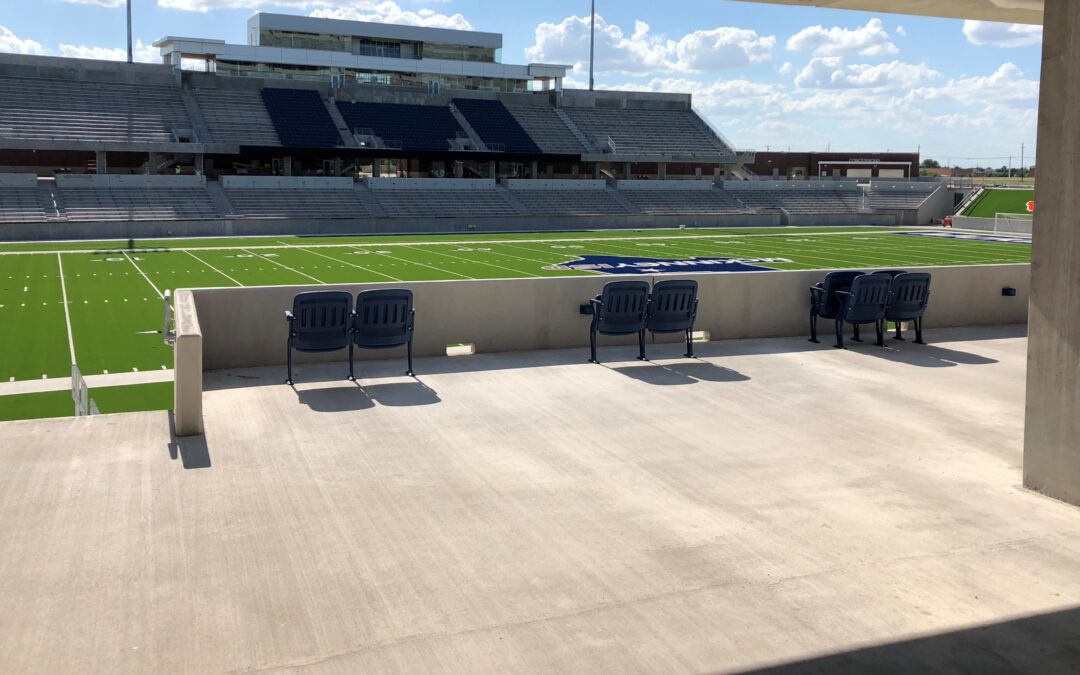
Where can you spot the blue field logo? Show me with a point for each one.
(1000, 238)
(611, 264)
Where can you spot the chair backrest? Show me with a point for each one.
(891, 273)
(624, 307)
(835, 281)
(673, 306)
(383, 318)
(869, 296)
(321, 320)
(910, 295)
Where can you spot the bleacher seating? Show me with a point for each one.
(897, 199)
(798, 201)
(20, 205)
(416, 127)
(443, 203)
(494, 124)
(71, 110)
(134, 204)
(570, 202)
(296, 203)
(547, 130)
(683, 202)
(661, 132)
(300, 118)
(236, 117)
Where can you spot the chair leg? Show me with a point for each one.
(880, 333)
(899, 331)
(839, 334)
(352, 374)
(918, 332)
(408, 348)
(689, 343)
(856, 337)
(592, 345)
(641, 345)
(288, 358)
(813, 326)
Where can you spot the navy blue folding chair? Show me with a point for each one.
(824, 302)
(382, 319)
(864, 303)
(318, 322)
(673, 309)
(620, 310)
(910, 294)
(892, 273)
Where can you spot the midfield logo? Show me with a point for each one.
(610, 264)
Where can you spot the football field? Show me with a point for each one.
(98, 304)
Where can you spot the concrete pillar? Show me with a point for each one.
(286, 166)
(596, 171)
(152, 160)
(376, 168)
(459, 169)
(493, 168)
(661, 171)
(627, 169)
(101, 162)
(1052, 430)
(533, 168)
(200, 164)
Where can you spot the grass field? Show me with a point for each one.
(99, 303)
(130, 398)
(994, 201)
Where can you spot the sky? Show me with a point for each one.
(767, 77)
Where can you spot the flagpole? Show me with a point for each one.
(129, 30)
(592, 43)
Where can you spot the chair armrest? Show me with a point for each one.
(843, 292)
(289, 316)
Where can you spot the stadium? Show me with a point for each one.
(182, 241)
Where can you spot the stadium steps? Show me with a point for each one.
(296, 203)
(219, 199)
(368, 200)
(135, 204)
(653, 132)
(236, 117)
(468, 129)
(576, 131)
(621, 198)
(198, 123)
(547, 129)
(339, 122)
(50, 201)
(512, 199)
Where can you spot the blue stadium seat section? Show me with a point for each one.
(416, 127)
(300, 118)
(494, 123)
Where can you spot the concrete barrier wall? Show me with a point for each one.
(244, 327)
(665, 184)
(831, 185)
(285, 183)
(430, 183)
(836, 219)
(19, 180)
(905, 185)
(105, 181)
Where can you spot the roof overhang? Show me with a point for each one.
(1013, 11)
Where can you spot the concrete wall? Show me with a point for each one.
(1052, 431)
(107, 181)
(593, 185)
(430, 183)
(835, 219)
(284, 183)
(937, 205)
(808, 185)
(20, 180)
(690, 184)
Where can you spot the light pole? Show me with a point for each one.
(129, 30)
(592, 43)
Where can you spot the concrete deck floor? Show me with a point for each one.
(775, 504)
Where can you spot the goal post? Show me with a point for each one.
(1018, 223)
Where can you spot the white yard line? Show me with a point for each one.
(318, 281)
(67, 315)
(139, 269)
(437, 269)
(478, 262)
(343, 262)
(213, 268)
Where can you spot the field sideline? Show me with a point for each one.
(100, 302)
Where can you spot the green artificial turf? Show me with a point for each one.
(114, 298)
(131, 398)
(994, 201)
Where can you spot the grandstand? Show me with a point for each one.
(403, 126)
(823, 198)
(568, 198)
(419, 199)
(140, 198)
(496, 126)
(236, 117)
(645, 131)
(300, 118)
(684, 198)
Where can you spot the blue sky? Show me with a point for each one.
(766, 76)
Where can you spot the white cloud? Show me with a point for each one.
(1006, 86)
(830, 72)
(869, 40)
(141, 53)
(786, 69)
(1002, 34)
(391, 12)
(11, 43)
(112, 4)
(901, 31)
(642, 52)
(383, 11)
